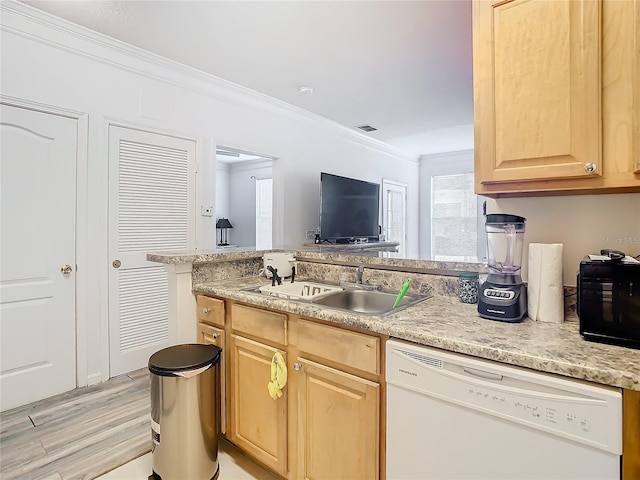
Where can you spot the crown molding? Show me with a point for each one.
(26, 21)
(451, 154)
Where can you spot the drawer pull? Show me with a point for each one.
(215, 336)
(205, 310)
(297, 366)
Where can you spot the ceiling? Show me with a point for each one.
(403, 67)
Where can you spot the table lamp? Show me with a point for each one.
(223, 224)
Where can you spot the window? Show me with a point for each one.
(454, 218)
(451, 222)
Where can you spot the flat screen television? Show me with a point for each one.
(349, 209)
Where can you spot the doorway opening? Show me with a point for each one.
(244, 196)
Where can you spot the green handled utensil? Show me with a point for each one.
(403, 290)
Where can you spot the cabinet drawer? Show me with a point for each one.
(211, 310)
(352, 349)
(259, 323)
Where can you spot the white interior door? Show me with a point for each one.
(394, 214)
(151, 209)
(37, 300)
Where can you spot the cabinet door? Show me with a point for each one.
(214, 336)
(537, 90)
(621, 91)
(338, 424)
(258, 423)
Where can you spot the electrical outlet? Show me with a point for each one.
(206, 211)
(311, 234)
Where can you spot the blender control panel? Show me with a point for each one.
(499, 294)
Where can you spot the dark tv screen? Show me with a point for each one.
(348, 207)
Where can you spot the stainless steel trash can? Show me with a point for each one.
(185, 412)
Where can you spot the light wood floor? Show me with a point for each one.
(79, 434)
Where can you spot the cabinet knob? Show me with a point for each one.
(297, 366)
(215, 336)
(205, 310)
(590, 167)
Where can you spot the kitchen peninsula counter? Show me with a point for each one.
(444, 322)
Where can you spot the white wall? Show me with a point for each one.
(49, 62)
(583, 224)
(301, 183)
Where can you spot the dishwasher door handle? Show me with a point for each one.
(483, 374)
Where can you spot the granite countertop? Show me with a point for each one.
(206, 256)
(444, 322)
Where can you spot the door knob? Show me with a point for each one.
(66, 269)
(590, 167)
(116, 264)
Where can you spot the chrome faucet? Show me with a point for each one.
(358, 283)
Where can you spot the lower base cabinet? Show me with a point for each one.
(326, 424)
(258, 423)
(338, 423)
(210, 335)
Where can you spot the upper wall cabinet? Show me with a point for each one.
(556, 96)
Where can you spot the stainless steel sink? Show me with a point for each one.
(368, 302)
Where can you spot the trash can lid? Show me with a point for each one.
(181, 358)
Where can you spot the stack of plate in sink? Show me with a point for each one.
(299, 290)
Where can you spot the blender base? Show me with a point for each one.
(502, 301)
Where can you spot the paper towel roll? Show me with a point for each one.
(545, 290)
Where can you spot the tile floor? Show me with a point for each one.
(233, 466)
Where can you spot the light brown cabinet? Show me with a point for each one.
(215, 336)
(556, 92)
(211, 312)
(257, 423)
(340, 414)
(327, 422)
(336, 414)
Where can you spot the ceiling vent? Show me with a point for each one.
(367, 128)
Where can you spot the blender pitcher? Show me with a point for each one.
(505, 240)
(503, 296)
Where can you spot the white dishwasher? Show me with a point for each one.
(450, 416)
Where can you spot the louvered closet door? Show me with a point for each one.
(151, 209)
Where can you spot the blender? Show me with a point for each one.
(503, 296)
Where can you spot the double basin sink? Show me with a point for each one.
(353, 298)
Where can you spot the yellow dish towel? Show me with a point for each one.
(278, 376)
